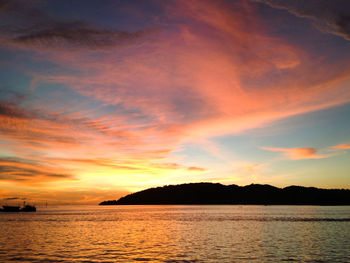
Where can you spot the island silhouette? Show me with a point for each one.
(215, 193)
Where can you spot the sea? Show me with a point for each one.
(177, 233)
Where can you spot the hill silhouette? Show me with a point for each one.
(215, 193)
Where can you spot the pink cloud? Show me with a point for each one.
(298, 153)
(209, 95)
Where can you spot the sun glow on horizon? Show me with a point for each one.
(96, 105)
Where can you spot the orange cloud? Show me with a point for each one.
(30, 172)
(298, 153)
(341, 146)
(193, 168)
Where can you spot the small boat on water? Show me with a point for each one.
(25, 208)
(28, 208)
(9, 208)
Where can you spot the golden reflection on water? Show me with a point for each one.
(176, 234)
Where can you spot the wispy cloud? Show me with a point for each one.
(36, 29)
(209, 96)
(344, 146)
(194, 168)
(298, 153)
(11, 111)
(309, 152)
(13, 198)
(74, 35)
(328, 16)
(29, 172)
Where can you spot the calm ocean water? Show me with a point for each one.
(177, 234)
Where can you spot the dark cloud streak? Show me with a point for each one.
(26, 26)
(75, 35)
(14, 198)
(329, 16)
(11, 110)
(4, 4)
(18, 169)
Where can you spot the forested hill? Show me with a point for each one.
(214, 193)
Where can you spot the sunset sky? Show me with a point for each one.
(103, 98)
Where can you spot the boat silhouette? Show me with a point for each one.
(25, 208)
(28, 208)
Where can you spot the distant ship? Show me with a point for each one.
(28, 208)
(8, 208)
(25, 208)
